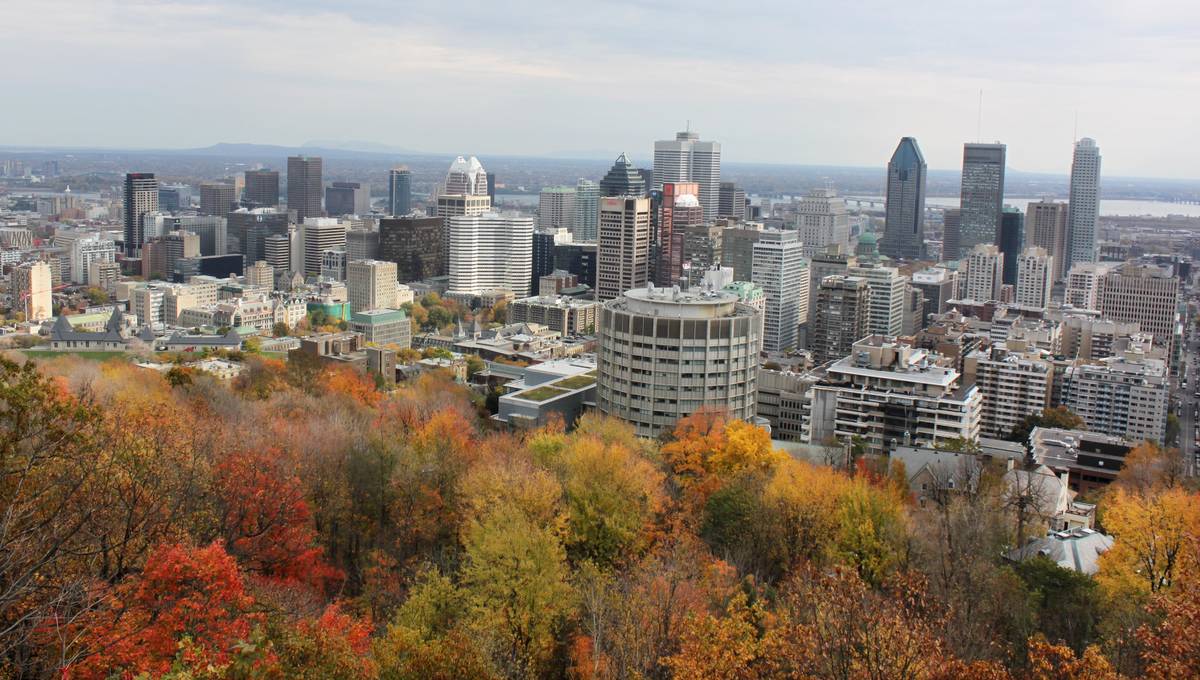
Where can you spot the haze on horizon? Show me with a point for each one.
(777, 82)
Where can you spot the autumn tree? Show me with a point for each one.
(187, 596)
(515, 579)
(1057, 417)
(48, 446)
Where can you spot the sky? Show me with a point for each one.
(829, 83)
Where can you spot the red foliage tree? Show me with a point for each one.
(187, 598)
(265, 520)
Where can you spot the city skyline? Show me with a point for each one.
(837, 117)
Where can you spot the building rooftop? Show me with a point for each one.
(1078, 550)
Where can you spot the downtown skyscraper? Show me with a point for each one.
(304, 186)
(1083, 207)
(904, 220)
(399, 192)
(982, 196)
(687, 159)
(622, 179)
(141, 197)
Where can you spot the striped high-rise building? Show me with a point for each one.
(1083, 210)
(491, 251)
(141, 197)
(623, 259)
(687, 159)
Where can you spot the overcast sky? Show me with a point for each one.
(785, 82)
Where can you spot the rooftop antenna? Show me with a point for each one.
(979, 120)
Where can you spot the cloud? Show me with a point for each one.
(778, 82)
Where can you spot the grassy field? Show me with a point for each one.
(575, 382)
(91, 356)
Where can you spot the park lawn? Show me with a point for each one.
(91, 356)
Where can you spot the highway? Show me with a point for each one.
(1189, 425)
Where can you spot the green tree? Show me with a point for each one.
(474, 365)
(280, 329)
(1067, 603)
(1058, 417)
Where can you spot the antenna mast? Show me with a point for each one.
(979, 120)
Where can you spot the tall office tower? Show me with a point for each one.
(32, 289)
(887, 288)
(780, 269)
(1011, 239)
(491, 187)
(317, 235)
(699, 247)
(491, 251)
(841, 317)
(248, 229)
(141, 197)
(678, 208)
(399, 191)
(371, 284)
(362, 244)
(216, 198)
(262, 189)
(170, 199)
(731, 201)
(414, 243)
(904, 218)
(556, 208)
(982, 194)
(822, 221)
(623, 260)
(1146, 294)
(453, 205)
(261, 274)
(579, 259)
(159, 255)
(687, 159)
(984, 273)
(622, 179)
(304, 186)
(1035, 277)
(833, 260)
(1084, 207)
(542, 262)
(738, 250)
(278, 252)
(347, 198)
(466, 177)
(951, 236)
(587, 210)
(937, 286)
(639, 334)
(212, 230)
(1046, 228)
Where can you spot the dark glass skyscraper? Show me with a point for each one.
(904, 221)
(623, 179)
(1011, 239)
(262, 188)
(982, 195)
(399, 192)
